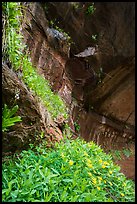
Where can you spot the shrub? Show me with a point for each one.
(41, 87)
(74, 171)
(7, 117)
(91, 9)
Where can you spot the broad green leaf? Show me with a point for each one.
(67, 180)
(55, 171)
(48, 197)
(33, 191)
(5, 191)
(41, 173)
(15, 193)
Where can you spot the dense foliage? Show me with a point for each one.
(73, 171)
(19, 59)
(8, 118)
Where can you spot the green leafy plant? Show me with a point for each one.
(41, 87)
(127, 152)
(46, 7)
(66, 35)
(75, 5)
(91, 9)
(94, 37)
(100, 75)
(77, 127)
(116, 154)
(74, 171)
(7, 117)
(12, 39)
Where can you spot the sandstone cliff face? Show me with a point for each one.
(112, 22)
(114, 25)
(79, 77)
(102, 103)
